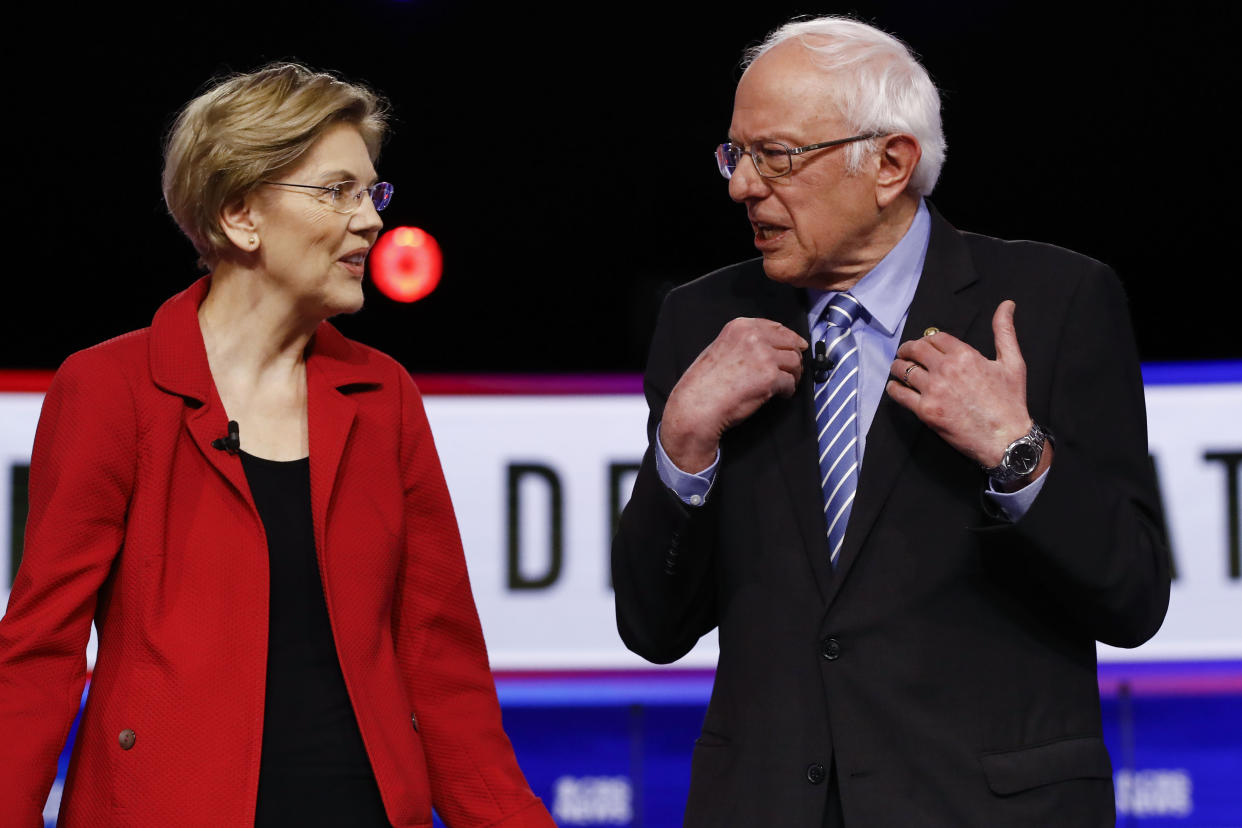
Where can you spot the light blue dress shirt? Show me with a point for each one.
(885, 294)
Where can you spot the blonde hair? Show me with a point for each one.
(245, 129)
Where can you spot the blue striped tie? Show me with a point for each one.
(836, 419)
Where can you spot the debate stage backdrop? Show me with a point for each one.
(561, 156)
(539, 469)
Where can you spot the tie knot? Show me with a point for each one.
(836, 343)
(842, 310)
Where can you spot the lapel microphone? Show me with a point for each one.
(820, 364)
(230, 442)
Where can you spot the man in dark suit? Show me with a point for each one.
(911, 536)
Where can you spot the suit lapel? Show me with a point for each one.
(793, 437)
(178, 361)
(944, 299)
(331, 417)
(210, 423)
(335, 370)
(334, 366)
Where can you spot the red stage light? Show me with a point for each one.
(406, 264)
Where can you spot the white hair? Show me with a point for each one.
(888, 89)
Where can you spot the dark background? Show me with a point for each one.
(521, 142)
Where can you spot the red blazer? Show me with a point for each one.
(138, 523)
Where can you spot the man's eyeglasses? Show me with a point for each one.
(346, 196)
(772, 158)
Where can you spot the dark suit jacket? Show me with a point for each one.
(948, 666)
(138, 523)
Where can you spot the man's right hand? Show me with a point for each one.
(749, 363)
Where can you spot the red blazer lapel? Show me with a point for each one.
(334, 368)
(179, 366)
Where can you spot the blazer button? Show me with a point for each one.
(127, 739)
(830, 649)
(414, 720)
(815, 773)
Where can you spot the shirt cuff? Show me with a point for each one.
(1015, 505)
(692, 489)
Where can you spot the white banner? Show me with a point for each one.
(537, 482)
(1195, 437)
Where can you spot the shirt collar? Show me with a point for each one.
(886, 291)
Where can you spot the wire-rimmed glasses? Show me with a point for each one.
(772, 158)
(346, 196)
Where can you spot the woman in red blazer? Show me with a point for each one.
(251, 509)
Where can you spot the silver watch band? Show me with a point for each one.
(1022, 456)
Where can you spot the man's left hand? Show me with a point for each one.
(975, 404)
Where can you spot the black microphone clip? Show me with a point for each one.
(822, 367)
(230, 442)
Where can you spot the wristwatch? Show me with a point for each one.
(1022, 456)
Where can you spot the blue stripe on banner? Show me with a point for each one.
(1192, 373)
(674, 687)
(1190, 679)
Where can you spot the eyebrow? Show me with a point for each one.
(336, 176)
(778, 137)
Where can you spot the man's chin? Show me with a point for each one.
(800, 275)
(787, 273)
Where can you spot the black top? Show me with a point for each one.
(314, 768)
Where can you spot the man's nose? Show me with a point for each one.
(746, 181)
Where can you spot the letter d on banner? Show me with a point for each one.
(517, 471)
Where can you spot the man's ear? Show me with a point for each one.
(237, 220)
(898, 156)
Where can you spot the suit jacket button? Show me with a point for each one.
(815, 773)
(127, 739)
(830, 649)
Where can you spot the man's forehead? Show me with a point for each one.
(784, 92)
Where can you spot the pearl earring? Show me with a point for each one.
(254, 239)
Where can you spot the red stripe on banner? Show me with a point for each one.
(529, 384)
(25, 381)
(435, 384)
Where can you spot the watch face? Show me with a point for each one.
(1023, 458)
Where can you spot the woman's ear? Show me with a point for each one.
(237, 220)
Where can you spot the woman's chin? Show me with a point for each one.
(345, 300)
